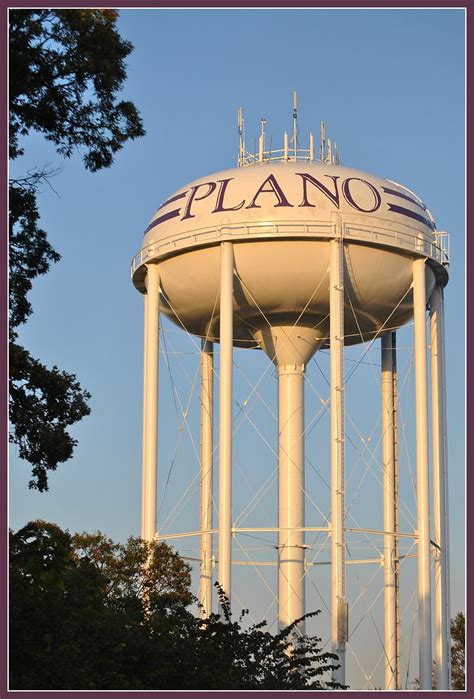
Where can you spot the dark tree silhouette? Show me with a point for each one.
(66, 70)
(87, 613)
(458, 653)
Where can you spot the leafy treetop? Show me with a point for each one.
(458, 651)
(67, 67)
(88, 613)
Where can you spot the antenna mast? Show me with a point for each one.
(240, 126)
(323, 141)
(295, 127)
(326, 152)
(261, 140)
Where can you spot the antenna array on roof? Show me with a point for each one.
(328, 152)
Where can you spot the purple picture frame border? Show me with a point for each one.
(26, 694)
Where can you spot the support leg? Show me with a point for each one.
(422, 476)
(396, 504)
(205, 581)
(225, 419)
(150, 404)
(388, 475)
(438, 416)
(339, 605)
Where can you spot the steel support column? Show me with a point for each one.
(150, 403)
(422, 475)
(336, 310)
(225, 418)
(206, 447)
(396, 503)
(440, 504)
(388, 479)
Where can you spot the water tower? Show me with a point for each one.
(291, 252)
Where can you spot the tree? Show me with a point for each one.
(66, 70)
(458, 659)
(249, 658)
(88, 613)
(137, 571)
(76, 611)
(54, 605)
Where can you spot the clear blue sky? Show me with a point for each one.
(390, 85)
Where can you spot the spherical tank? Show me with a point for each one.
(281, 217)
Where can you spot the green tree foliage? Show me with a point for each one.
(87, 613)
(66, 70)
(458, 660)
(43, 403)
(251, 658)
(458, 653)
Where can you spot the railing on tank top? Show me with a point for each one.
(433, 245)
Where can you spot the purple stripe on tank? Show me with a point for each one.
(404, 196)
(172, 199)
(170, 214)
(411, 214)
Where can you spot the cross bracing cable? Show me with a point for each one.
(259, 573)
(325, 544)
(268, 407)
(368, 679)
(185, 414)
(403, 644)
(376, 376)
(409, 651)
(369, 539)
(265, 486)
(307, 461)
(194, 480)
(356, 362)
(185, 496)
(377, 334)
(184, 422)
(366, 350)
(242, 607)
(173, 460)
(369, 610)
(295, 324)
(326, 403)
(273, 597)
(403, 410)
(286, 339)
(250, 488)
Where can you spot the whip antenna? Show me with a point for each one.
(295, 126)
(240, 126)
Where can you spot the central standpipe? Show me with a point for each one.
(290, 348)
(291, 552)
